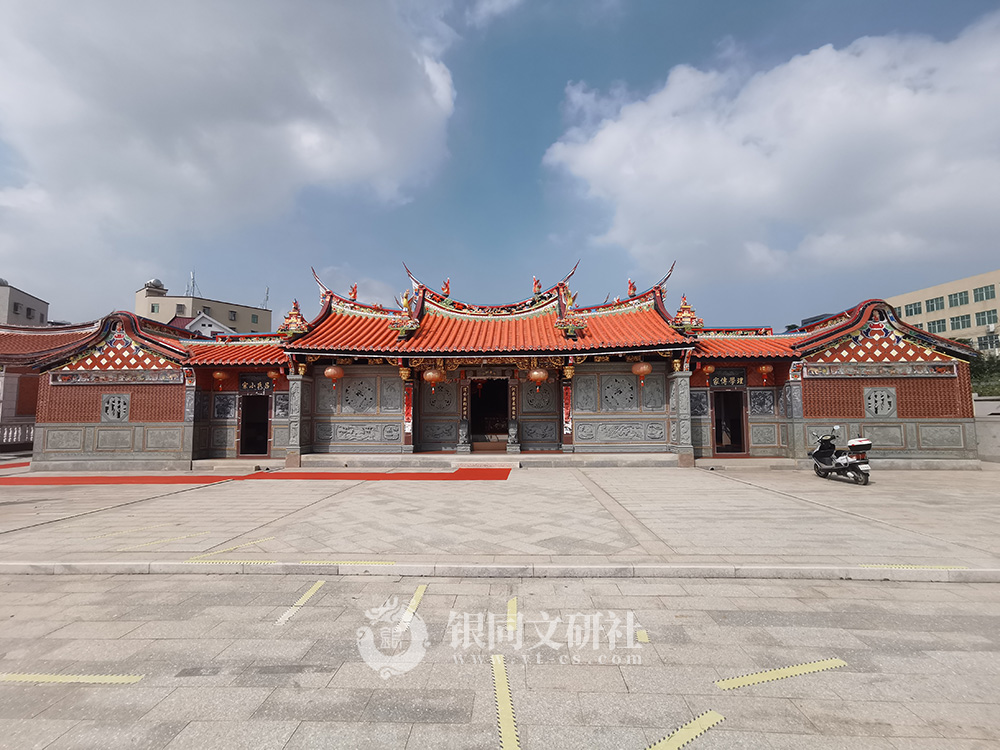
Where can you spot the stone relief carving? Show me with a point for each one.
(539, 431)
(357, 433)
(114, 440)
(463, 432)
(761, 402)
(281, 406)
(512, 432)
(225, 406)
(115, 407)
(442, 400)
(294, 398)
(685, 438)
(618, 393)
(440, 433)
(392, 395)
(653, 393)
(324, 431)
(189, 405)
(585, 393)
(885, 436)
(391, 433)
(699, 403)
(359, 395)
(163, 438)
(202, 406)
(585, 431)
(620, 432)
(654, 431)
(673, 433)
(64, 440)
(940, 436)
(326, 397)
(880, 402)
(223, 437)
(763, 434)
(307, 391)
(541, 400)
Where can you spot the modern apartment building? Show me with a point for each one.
(19, 308)
(965, 309)
(153, 302)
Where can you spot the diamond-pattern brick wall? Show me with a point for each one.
(27, 395)
(917, 398)
(82, 403)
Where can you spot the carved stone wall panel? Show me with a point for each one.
(280, 435)
(64, 439)
(784, 434)
(224, 406)
(539, 399)
(114, 440)
(115, 407)
(763, 434)
(885, 436)
(685, 436)
(324, 432)
(223, 437)
(357, 433)
(307, 391)
(699, 403)
(189, 404)
(202, 407)
(326, 396)
(654, 397)
(443, 399)
(358, 395)
(201, 438)
(880, 403)
(391, 433)
(761, 402)
(539, 432)
(294, 398)
(586, 431)
(700, 434)
(940, 436)
(619, 393)
(391, 401)
(673, 432)
(164, 438)
(621, 432)
(585, 393)
(439, 432)
(281, 406)
(655, 431)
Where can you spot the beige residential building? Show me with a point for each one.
(19, 308)
(153, 302)
(965, 309)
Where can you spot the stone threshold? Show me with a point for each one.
(514, 570)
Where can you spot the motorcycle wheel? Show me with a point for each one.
(821, 474)
(860, 477)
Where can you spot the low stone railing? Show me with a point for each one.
(17, 434)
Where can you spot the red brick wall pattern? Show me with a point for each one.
(82, 403)
(27, 395)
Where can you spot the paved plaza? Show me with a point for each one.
(232, 651)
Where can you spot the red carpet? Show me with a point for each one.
(15, 466)
(459, 475)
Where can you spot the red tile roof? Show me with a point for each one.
(249, 353)
(635, 324)
(746, 347)
(27, 344)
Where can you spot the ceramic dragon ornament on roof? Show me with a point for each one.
(294, 322)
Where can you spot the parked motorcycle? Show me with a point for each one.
(852, 463)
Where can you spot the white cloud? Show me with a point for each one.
(885, 151)
(482, 12)
(149, 120)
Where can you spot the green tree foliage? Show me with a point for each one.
(985, 372)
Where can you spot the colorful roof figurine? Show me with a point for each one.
(294, 322)
(685, 318)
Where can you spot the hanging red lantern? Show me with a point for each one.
(273, 375)
(709, 369)
(538, 375)
(334, 372)
(642, 369)
(434, 376)
(764, 371)
(219, 376)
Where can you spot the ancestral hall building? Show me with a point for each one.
(542, 374)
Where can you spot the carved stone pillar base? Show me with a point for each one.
(513, 447)
(463, 448)
(293, 460)
(685, 460)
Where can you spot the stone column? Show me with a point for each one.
(513, 444)
(189, 401)
(299, 417)
(679, 386)
(799, 441)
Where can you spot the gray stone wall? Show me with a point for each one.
(612, 412)
(106, 446)
(363, 414)
(437, 423)
(540, 420)
(988, 427)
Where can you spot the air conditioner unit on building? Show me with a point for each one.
(991, 327)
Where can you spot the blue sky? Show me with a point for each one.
(793, 157)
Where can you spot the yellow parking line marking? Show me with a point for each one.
(94, 679)
(230, 549)
(692, 730)
(506, 723)
(642, 636)
(916, 567)
(129, 531)
(404, 621)
(298, 605)
(771, 675)
(345, 562)
(160, 541)
(512, 615)
(231, 562)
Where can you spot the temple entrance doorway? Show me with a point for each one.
(254, 425)
(729, 418)
(488, 414)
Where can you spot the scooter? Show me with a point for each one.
(852, 463)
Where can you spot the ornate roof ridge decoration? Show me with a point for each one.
(294, 322)
(740, 332)
(880, 314)
(120, 330)
(685, 319)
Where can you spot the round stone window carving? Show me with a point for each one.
(539, 399)
(359, 395)
(880, 402)
(618, 392)
(441, 399)
(115, 408)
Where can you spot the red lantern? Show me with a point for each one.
(709, 369)
(219, 376)
(538, 375)
(764, 371)
(273, 375)
(642, 369)
(334, 372)
(434, 376)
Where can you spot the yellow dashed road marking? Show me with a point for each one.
(779, 674)
(231, 562)
(692, 730)
(160, 541)
(345, 562)
(230, 549)
(894, 566)
(506, 724)
(298, 605)
(404, 621)
(93, 679)
(642, 636)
